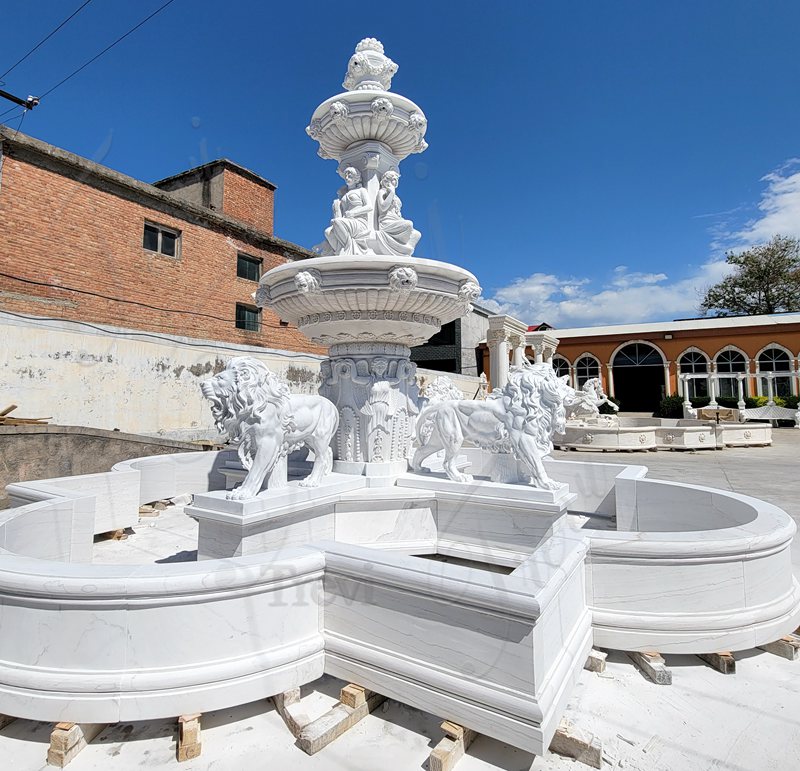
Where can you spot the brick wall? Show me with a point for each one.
(248, 201)
(60, 230)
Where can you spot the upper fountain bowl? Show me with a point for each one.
(379, 299)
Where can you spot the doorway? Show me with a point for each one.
(638, 377)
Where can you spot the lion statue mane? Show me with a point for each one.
(254, 407)
(520, 419)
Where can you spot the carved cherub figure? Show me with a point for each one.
(349, 228)
(395, 235)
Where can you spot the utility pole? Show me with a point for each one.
(28, 103)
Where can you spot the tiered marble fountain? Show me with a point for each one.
(336, 568)
(368, 298)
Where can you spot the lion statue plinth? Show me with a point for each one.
(520, 419)
(254, 408)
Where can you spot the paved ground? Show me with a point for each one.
(705, 720)
(771, 473)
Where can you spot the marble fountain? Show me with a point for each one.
(331, 562)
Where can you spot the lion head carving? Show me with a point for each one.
(254, 407)
(239, 396)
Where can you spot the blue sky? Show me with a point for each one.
(588, 161)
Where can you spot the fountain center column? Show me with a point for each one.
(374, 387)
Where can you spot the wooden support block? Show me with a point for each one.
(722, 661)
(353, 696)
(68, 739)
(113, 535)
(787, 647)
(451, 749)
(189, 737)
(596, 661)
(572, 743)
(322, 731)
(287, 705)
(6, 720)
(651, 665)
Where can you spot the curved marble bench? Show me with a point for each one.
(696, 570)
(663, 434)
(700, 570)
(104, 643)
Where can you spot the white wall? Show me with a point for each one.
(107, 377)
(95, 375)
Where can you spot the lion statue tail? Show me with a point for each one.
(425, 425)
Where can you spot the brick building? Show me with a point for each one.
(81, 242)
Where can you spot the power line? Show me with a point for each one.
(45, 39)
(10, 111)
(120, 300)
(19, 125)
(158, 336)
(106, 49)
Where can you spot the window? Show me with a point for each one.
(638, 355)
(586, 368)
(162, 240)
(248, 267)
(248, 317)
(730, 361)
(775, 360)
(694, 362)
(560, 365)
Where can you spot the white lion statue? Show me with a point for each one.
(254, 408)
(438, 390)
(584, 404)
(519, 419)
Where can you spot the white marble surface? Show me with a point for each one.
(390, 623)
(109, 643)
(662, 434)
(676, 587)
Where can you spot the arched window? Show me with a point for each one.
(775, 360)
(560, 365)
(691, 363)
(730, 361)
(586, 368)
(637, 355)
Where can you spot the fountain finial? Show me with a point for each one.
(369, 69)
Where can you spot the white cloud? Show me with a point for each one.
(627, 296)
(779, 209)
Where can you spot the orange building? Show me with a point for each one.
(641, 363)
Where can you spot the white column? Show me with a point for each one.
(685, 384)
(666, 379)
(712, 391)
(498, 359)
(610, 370)
(517, 350)
(573, 376)
(770, 389)
(740, 386)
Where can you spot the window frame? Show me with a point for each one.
(161, 230)
(584, 372)
(251, 309)
(253, 260)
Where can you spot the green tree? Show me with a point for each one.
(766, 279)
